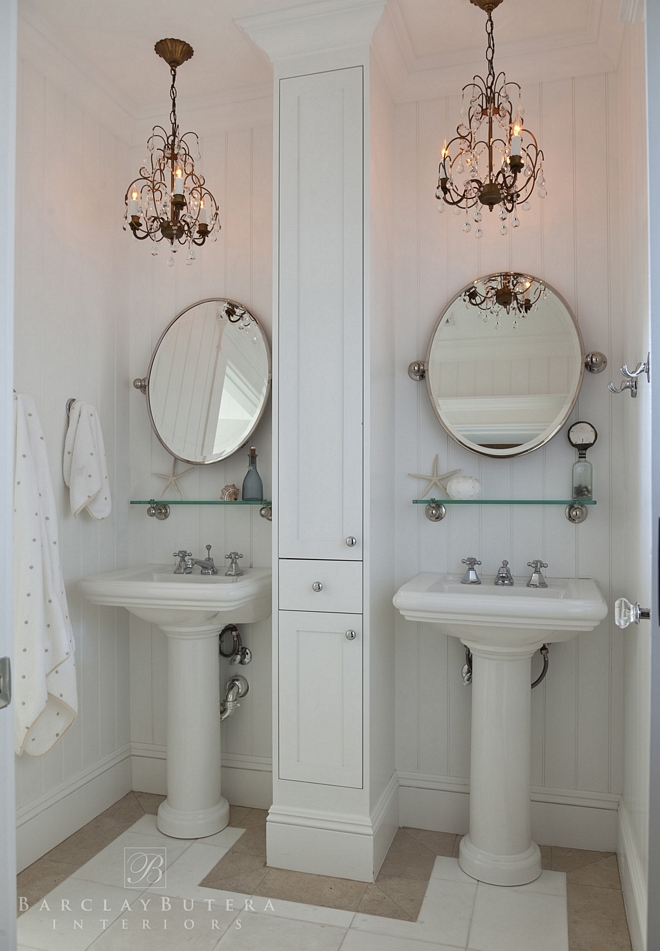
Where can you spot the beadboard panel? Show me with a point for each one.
(71, 340)
(568, 240)
(238, 170)
(631, 517)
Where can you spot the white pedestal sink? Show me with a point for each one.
(191, 610)
(503, 627)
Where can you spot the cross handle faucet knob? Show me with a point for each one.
(537, 564)
(233, 555)
(470, 562)
(182, 554)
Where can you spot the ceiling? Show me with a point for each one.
(113, 41)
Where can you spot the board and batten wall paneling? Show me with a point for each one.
(71, 340)
(566, 239)
(238, 170)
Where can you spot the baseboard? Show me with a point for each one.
(47, 821)
(563, 817)
(634, 882)
(338, 845)
(246, 780)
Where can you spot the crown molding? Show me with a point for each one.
(594, 50)
(316, 27)
(632, 11)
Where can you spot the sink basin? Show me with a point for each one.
(503, 616)
(155, 594)
(191, 610)
(502, 627)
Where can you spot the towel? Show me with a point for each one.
(84, 466)
(45, 691)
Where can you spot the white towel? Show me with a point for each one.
(45, 691)
(84, 466)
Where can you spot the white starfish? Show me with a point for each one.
(434, 478)
(172, 478)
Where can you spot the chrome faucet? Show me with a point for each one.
(207, 565)
(470, 576)
(504, 576)
(537, 580)
(233, 571)
(185, 563)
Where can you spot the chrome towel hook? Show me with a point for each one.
(69, 404)
(630, 383)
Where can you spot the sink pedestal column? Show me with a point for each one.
(499, 849)
(194, 806)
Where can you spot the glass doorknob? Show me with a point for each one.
(626, 613)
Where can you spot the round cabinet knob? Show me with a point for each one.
(351, 541)
(317, 586)
(351, 635)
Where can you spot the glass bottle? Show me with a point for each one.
(583, 477)
(253, 487)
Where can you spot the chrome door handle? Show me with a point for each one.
(317, 586)
(351, 635)
(351, 541)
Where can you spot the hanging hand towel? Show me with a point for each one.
(45, 691)
(84, 466)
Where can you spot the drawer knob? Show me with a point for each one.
(317, 586)
(351, 541)
(351, 635)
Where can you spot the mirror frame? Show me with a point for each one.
(472, 447)
(209, 300)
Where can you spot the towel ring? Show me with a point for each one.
(69, 404)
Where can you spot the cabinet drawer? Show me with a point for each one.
(340, 581)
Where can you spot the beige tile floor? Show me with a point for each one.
(596, 916)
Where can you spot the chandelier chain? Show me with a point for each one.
(173, 118)
(490, 56)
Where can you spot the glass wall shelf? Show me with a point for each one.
(160, 508)
(504, 502)
(199, 502)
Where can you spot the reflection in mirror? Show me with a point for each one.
(505, 364)
(208, 381)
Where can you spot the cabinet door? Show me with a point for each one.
(320, 315)
(320, 690)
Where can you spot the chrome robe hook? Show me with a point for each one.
(630, 383)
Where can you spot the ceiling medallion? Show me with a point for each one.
(493, 159)
(507, 292)
(169, 199)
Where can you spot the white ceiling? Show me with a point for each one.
(113, 41)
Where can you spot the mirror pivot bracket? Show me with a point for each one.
(595, 362)
(141, 384)
(417, 371)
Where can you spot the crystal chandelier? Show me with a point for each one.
(493, 159)
(509, 293)
(169, 199)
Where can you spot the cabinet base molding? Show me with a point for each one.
(341, 846)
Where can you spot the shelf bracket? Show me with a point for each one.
(435, 511)
(159, 510)
(576, 513)
(266, 511)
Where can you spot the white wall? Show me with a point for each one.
(631, 517)
(71, 341)
(236, 146)
(566, 240)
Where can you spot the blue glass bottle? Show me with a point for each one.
(253, 487)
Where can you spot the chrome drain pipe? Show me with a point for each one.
(237, 687)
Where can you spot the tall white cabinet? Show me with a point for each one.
(335, 802)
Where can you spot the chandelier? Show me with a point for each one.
(493, 159)
(169, 200)
(509, 293)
